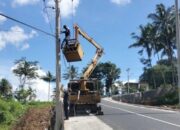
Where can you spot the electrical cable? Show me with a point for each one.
(64, 62)
(28, 25)
(47, 14)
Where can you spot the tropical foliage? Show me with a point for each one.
(49, 78)
(72, 73)
(5, 89)
(162, 74)
(158, 38)
(25, 71)
(107, 73)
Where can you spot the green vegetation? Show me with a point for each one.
(25, 71)
(169, 99)
(5, 89)
(72, 73)
(11, 111)
(14, 104)
(157, 38)
(161, 74)
(39, 104)
(107, 73)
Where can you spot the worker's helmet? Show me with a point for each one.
(64, 26)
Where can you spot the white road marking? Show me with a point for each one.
(162, 121)
(126, 104)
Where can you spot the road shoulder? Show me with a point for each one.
(85, 123)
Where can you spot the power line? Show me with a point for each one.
(28, 25)
(47, 14)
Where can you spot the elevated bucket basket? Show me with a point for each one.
(73, 51)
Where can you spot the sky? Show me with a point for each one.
(109, 22)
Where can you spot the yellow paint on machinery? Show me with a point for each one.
(84, 91)
(73, 52)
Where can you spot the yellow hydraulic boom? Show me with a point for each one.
(92, 65)
(84, 93)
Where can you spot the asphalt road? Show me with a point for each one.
(121, 116)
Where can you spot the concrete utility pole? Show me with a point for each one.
(59, 121)
(128, 69)
(178, 45)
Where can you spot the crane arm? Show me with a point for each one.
(99, 51)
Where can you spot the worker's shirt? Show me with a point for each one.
(67, 32)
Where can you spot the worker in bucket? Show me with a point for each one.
(66, 104)
(67, 36)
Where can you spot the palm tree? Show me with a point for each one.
(25, 70)
(49, 78)
(31, 94)
(146, 42)
(164, 21)
(5, 88)
(158, 36)
(72, 73)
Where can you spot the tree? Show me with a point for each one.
(156, 37)
(72, 73)
(106, 72)
(49, 78)
(163, 66)
(5, 88)
(164, 20)
(146, 42)
(26, 71)
(31, 94)
(24, 95)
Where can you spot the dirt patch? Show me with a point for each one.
(35, 119)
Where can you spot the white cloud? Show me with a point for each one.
(121, 2)
(25, 46)
(41, 87)
(24, 2)
(2, 19)
(16, 36)
(131, 81)
(67, 7)
(6, 72)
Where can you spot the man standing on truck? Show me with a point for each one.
(67, 36)
(66, 104)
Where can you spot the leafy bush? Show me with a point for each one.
(10, 110)
(169, 99)
(6, 117)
